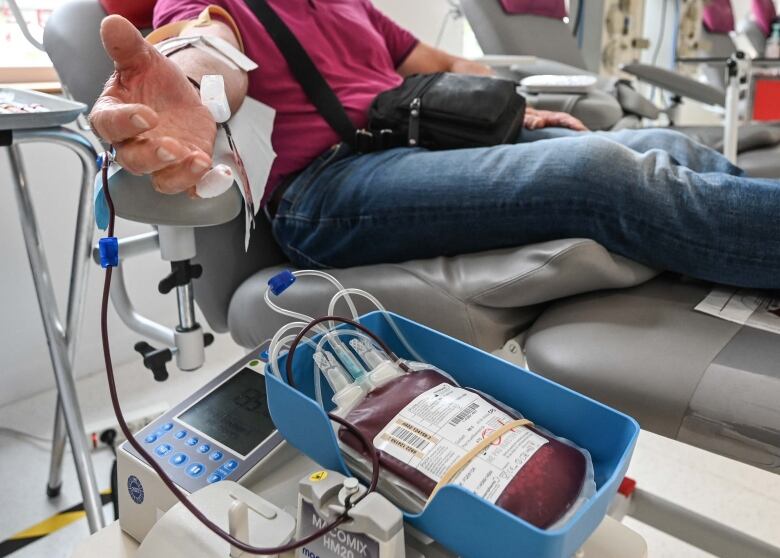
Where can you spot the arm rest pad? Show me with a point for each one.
(677, 84)
(136, 200)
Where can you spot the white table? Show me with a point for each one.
(611, 540)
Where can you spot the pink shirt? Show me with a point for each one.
(355, 47)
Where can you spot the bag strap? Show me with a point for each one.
(302, 67)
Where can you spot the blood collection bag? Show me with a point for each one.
(422, 423)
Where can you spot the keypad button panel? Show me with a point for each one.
(190, 460)
(193, 459)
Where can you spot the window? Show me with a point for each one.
(20, 61)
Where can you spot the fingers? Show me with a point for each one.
(182, 176)
(537, 119)
(116, 122)
(148, 155)
(569, 121)
(125, 44)
(533, 122)
(578, 125)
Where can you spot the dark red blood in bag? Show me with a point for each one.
(541, 492)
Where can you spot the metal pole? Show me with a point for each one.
(131, 318)
(185, 301)
(55, 333)
(702, 532)
(736, 75)
(80, 261)
(59, 438)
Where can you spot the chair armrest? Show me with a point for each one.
(505, 60)
(136, 200)
(677, 84)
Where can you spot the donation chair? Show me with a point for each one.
(522, 31)
(758, 26)
(485, 299)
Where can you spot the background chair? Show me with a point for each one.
(551, 40)
(484, 299)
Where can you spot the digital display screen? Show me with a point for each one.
(235, 414)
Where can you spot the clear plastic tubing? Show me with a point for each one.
(345, 293)
(335, 336)
(277, 345)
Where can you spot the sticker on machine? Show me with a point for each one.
(440, 426)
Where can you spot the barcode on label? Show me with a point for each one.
(410, 438)
(464, 414)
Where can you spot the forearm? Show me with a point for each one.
(425, 59)
(196, 63)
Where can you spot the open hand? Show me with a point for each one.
(151, 113)
(537, 119)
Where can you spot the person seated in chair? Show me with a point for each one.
(652, 195)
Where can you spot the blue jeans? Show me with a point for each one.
(653, 195)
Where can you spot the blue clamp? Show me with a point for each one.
(281, 281)
(109, 251)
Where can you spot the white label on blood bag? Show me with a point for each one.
(441, 425)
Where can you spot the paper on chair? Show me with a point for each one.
(742, 306)
(251, 128)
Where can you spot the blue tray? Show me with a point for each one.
(457, 519)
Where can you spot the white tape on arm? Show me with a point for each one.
(213, 95)
(215, 46)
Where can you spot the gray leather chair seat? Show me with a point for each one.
(680, 373)
(758, 146)
(483, 298)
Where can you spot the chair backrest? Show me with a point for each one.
(548, 8)
(718, 17)
(500, 32)
(764, 14)
(72, 41)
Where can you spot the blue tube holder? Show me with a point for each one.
(108, 246)
(462, 522)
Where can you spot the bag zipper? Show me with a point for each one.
(415, 110)
(414, 121)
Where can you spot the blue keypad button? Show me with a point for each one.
(224, 473)
(196, 469)
(230, 465)
(179, 459)
(180, 434)
(192, 442)
(160, 434)
(167, 426)
(163, 449)
(214, 477)
(216, 456)
(205, 448)
(151, 438)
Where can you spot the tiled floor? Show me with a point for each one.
(746, 498)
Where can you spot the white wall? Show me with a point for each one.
(424, 18)
(24, 361)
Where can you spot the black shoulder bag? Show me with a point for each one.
(435, 111)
